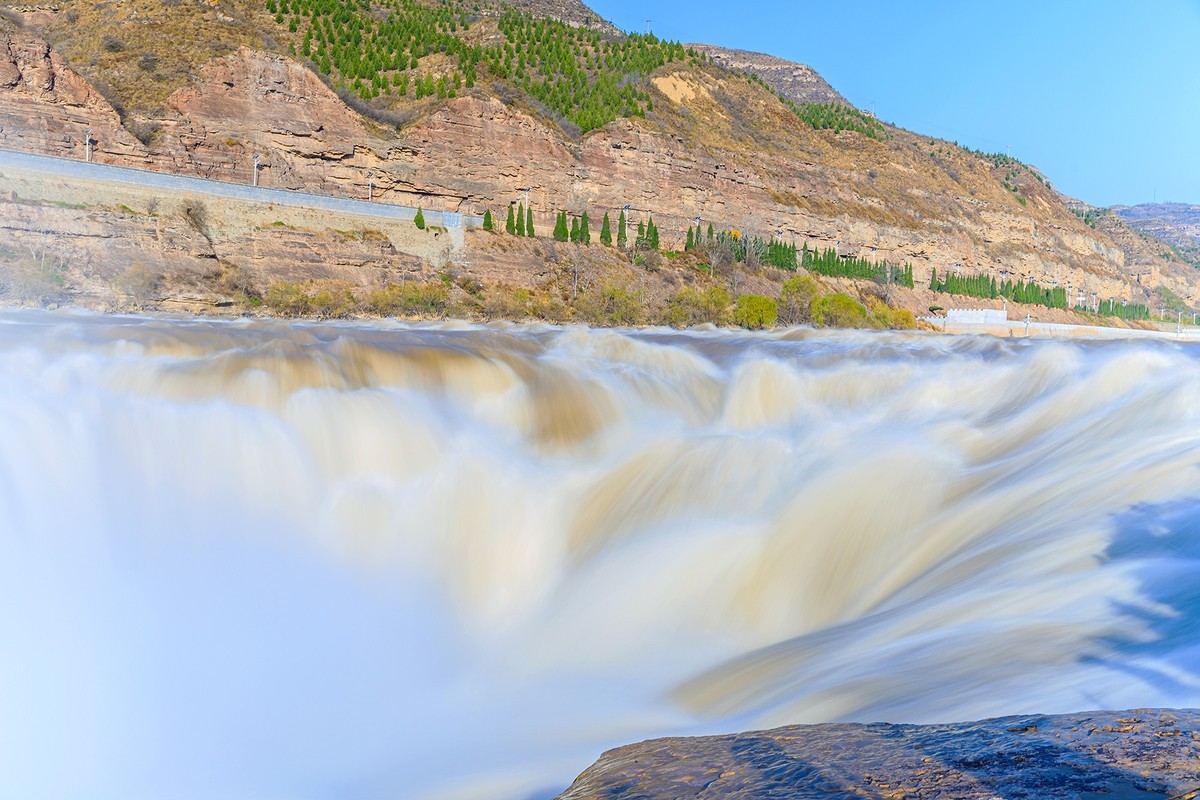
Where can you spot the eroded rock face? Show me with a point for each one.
(1126, 755)
(799, 83)
(733, 160)
(252, 103)
(46, 107)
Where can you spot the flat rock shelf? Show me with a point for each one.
(1117, 755)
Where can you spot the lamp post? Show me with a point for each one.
(254, 179)
(87, 145)
(370, 185)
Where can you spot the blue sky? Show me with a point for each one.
(1103, 96)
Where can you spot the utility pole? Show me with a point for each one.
(254, 180)
(87, 145)
(1028, 317)
(370, 185)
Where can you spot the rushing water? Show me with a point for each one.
(260, 560)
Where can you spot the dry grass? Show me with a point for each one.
(137, 52)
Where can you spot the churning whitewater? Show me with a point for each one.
(270, 560)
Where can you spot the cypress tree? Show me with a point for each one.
(511, 225)
(641, 234)
(488, 224)
(690, 241)
(933, 281)
(521, 219)
(529, 222)
(419, 219)
(652, 234)
(585, 229)
(575, 229)
(560, 227)
(622, 233)
(710, 232)
(606, 231)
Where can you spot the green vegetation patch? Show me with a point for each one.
(988, 287)
(838, 117)
(376, 50)
(828, 262)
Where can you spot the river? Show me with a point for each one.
(287, 560)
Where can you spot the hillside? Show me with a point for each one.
(1177, 224)
(469, 108)
(797, 82)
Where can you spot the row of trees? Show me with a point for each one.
(1029, 292)
(1111, 308)
(520, 221)
(829, 262)
(986, 286)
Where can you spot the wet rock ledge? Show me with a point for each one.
(1104, 755)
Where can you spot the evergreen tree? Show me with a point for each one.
(710, 232)
(606, 231)
(652, 234)
(488, 224)
(641, 234)
(529, 222)
(622, 233)
(419, 219)
(690, 241)
(575, 230)
(521, 219)
(561, 234)
(511, 225)
(933, 281)
(585, 229)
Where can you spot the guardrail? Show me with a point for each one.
(70, 168)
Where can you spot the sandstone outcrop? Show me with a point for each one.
(45, 107)
(1127, 755)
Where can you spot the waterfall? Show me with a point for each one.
(258, 559)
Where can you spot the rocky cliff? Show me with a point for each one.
(797, 82)
(46, 107)
(714, 147)
(1134, 754)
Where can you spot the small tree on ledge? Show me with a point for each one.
(419, 219)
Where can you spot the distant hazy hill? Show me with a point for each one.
(1178, 224)
(797, 82)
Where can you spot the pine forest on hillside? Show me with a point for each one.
(377, 49)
